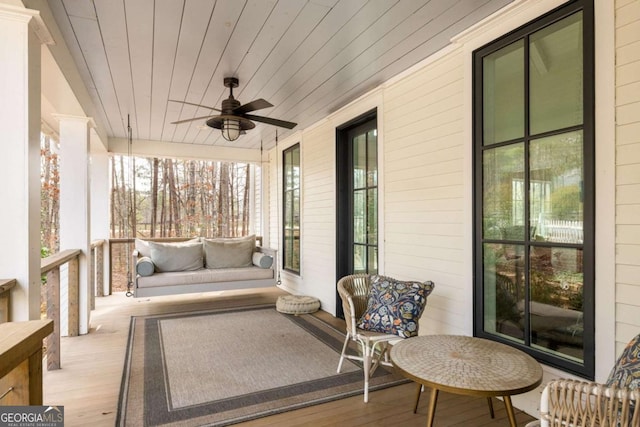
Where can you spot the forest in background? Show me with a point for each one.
(49, 197)
(152, 197)
(179, 198)
(158, 197)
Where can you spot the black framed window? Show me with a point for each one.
(534, 189)
(356, 198)
(291, 209)
(363, 153)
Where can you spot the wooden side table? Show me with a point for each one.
(466, 365)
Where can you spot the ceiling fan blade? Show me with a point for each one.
(270, 121)
(257, 104)
(190, 120)
(195, 105)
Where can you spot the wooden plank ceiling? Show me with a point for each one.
(308, 58)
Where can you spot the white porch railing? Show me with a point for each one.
(561, 231)
(51, 267)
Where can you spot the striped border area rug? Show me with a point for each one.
(222, 367)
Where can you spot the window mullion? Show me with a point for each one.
(527, 197)
(366, 201)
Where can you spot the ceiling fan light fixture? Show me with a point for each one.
(233, 119)
(230, 129)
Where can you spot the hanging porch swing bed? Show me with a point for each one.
(201, 265)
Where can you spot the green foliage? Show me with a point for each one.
(564, 290)
(44, 252)
(566, 203)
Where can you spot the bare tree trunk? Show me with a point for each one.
(169, 175)
(133, 213)
(154, 196)
(245, 201)
(123, 199)
(203, 194)
(190, 204)
(223, 201)
(45, 205)
(54, 239)
(212, 199)
(45, 175)
(49, 192)
(163, 209)
(174, 199)
(232, 201)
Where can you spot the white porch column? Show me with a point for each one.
(20, 148)
(99, 188)
(75, 204)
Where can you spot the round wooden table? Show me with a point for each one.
(466, 365)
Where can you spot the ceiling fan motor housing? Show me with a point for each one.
(229, 104)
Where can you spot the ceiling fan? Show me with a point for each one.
(233, 119)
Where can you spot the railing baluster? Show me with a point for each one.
(99, 271)
(53, 313)
(74, 288)
(51, 267)
(92, 277)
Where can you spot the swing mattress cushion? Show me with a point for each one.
(205, 275)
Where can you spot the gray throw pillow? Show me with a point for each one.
(145, 267)
(261, 260)
(183, 256)
(229, 253)
(142, 246)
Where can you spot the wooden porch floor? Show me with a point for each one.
(89, 382)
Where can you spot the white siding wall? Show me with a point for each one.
(317, 151)
(423, 177)
(318, 214)
(627, 35)
(424, 135)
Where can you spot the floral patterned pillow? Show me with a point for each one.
(394, 307)
(626, 372)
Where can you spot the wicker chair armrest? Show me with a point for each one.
(352, 316)
(349, 288)
(572, 403)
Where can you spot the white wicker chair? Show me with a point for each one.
(573, 403)
(374, 347)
